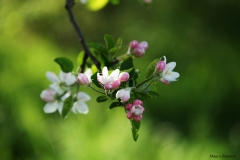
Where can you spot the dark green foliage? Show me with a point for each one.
(65, 64)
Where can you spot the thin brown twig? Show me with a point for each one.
(87, 52)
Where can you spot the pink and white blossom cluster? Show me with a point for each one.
(135, 110)
(138, 49)
(112, 81)
(59, 91)
(167, 75)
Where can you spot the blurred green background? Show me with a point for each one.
(194, 117)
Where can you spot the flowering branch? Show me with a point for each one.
(117, 81)
(87, 52)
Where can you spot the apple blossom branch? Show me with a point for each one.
(87, 53)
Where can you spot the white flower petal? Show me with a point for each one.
(50, 107)
(60, 107)
(81, 96)
(105, 72)
(169, 78)
(175, 74)
(80, 107)
(88, 73)
(171, 66)
(56, 88)
(115, 74)
(52, 77)
(68, 78)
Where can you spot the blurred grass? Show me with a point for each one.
(194, 117)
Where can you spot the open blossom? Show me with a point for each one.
(135, 110)
(113, 80)
(123, 94)
(67, 79)
(80, 105)
(168, 75)
(53, 103)
(85, 78)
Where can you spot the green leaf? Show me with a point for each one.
(153, 93)
(101, 99)
(67, 106)
(95, 81)
(135, 129)
(115, 104)
(80, 58)
(65, 64)
(127, 64)
(140, 95)
(110, 43)
(112, 51)
(119, 42)
(151, 68)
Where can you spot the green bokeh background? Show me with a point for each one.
(194, 117)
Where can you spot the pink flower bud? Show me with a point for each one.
(139, 51)
(123, 94)
(137, 118)
(160, 66)
(128, 107)
(108, 86)
(143, 45)
(164, 81)
(133, 44)
(129, 115)
(48, 95)
(123, 77)
(83, 79)
(138, 102)
(116, 84)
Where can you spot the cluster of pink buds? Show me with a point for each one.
(138, 49)
(135, 110)
(112, 81)
(165, 70)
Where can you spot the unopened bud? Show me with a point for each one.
(139, 51)
(123, 77)
(133, 44)
(143, 44)
(83, 79)
(160, 66)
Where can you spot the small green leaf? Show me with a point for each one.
(135, 129)
(110, 43)
(119, 42)
(112, 51)
(101, 99)
(151, 68)
(127, 64)
(80, 58)
(140, 95)
(115, 104)
(65, 64)
(67, 106)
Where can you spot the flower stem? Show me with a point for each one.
(96, 90)
(146, 80)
